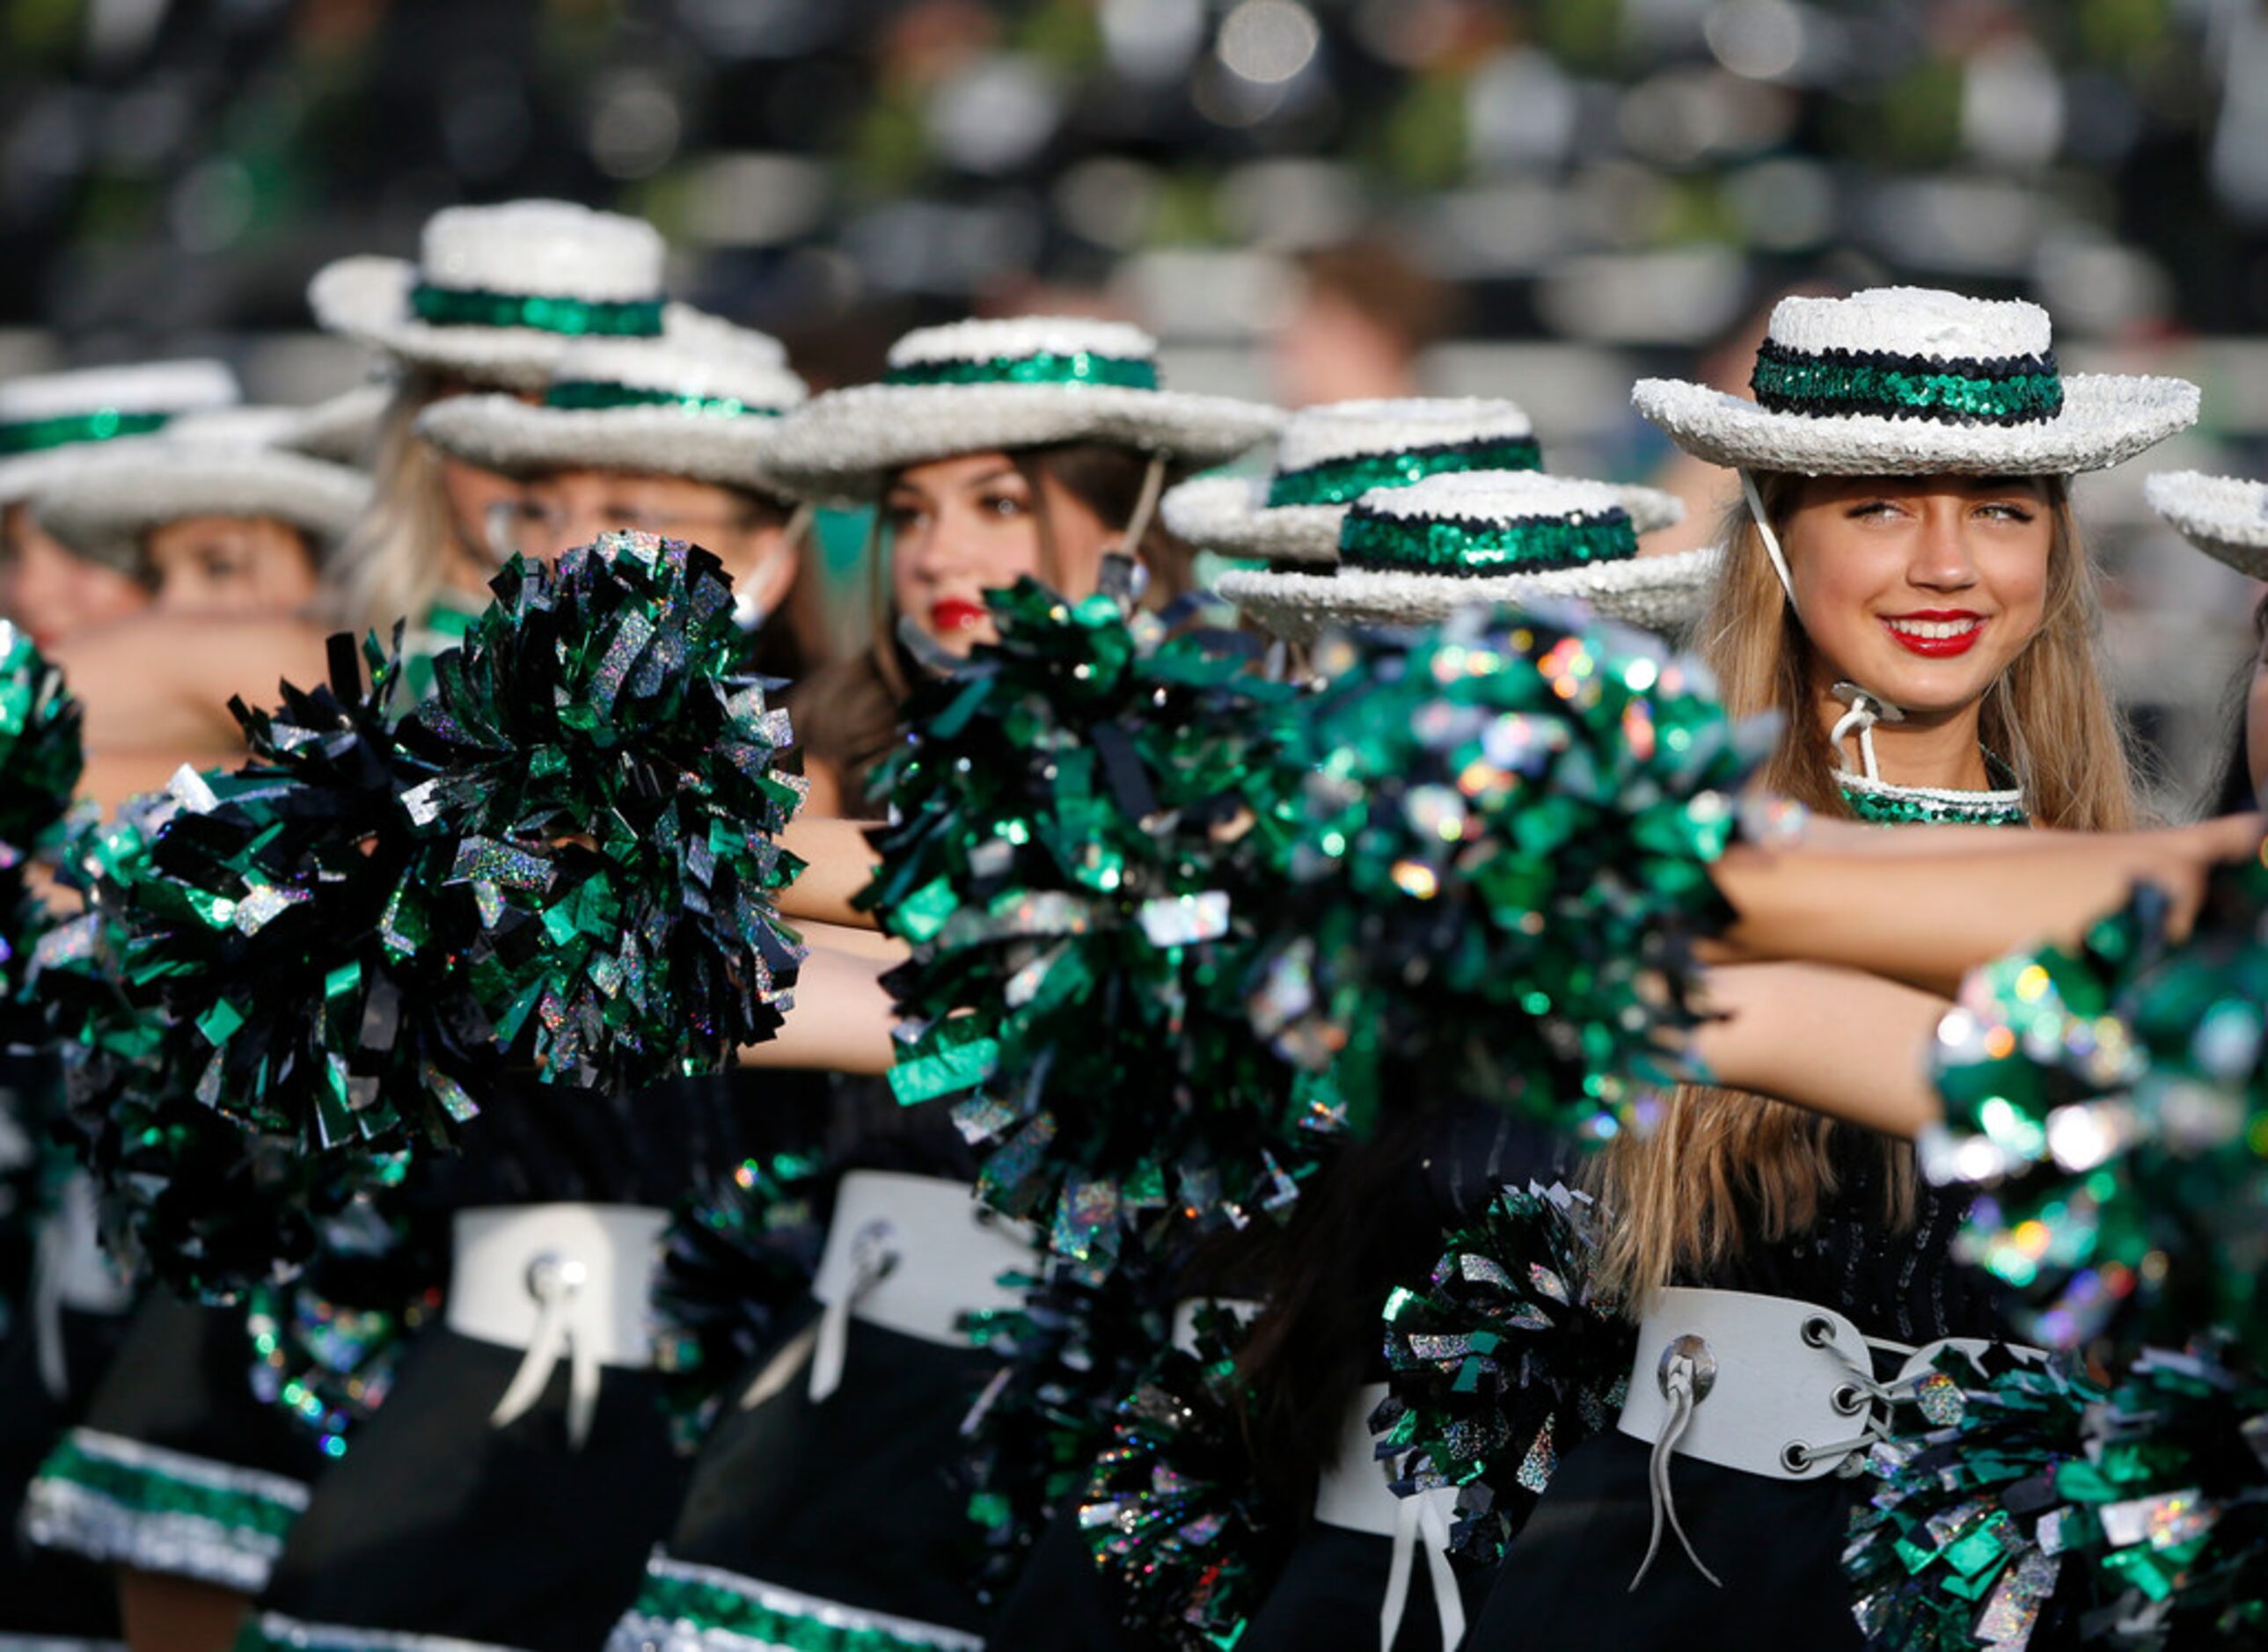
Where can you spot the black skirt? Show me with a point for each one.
(1775, 1544)
(178, 1467)
(1332, 1588)
(1327, 1595)
(1062, 1603)
(436, 1525)
(845, 1512)
(42, 1592)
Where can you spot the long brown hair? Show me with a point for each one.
(1725, 1169)
(846, 715)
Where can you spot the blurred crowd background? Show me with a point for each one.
(1305, 199)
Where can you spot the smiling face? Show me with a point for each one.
(1923, 589)
(230, 565)
(960, 527)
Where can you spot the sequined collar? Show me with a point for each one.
(1885, 804)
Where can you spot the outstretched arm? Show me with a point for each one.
(1927, 919)
(839, 861)
(840, 1020)
(156, 688)
(1848, 1045)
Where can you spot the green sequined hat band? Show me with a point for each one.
(586, 395)
(1475, 550)
(2007, 390)
(577, 317)
(1341, 481)
(67, 430)
(1042, 367)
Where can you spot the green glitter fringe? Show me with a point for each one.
(672, 1602)
(249, 1525)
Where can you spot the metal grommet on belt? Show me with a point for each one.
(1818, 1330)
(1848, 1400)
(1795, 1456)
(553, 1271)
(1703, 1362)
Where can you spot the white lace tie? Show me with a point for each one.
(871, 1260)
(1420, 1522)
(555, 1280)
(1682, 1382)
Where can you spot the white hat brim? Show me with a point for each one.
(506, 435)
(101, 512)
(27, 475)
(842, 447)
(2225, 517)
(2106, 418)
(1662, 593)
(367, 299)
(1231, 514)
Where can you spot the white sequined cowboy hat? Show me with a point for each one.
(50, 423)
(977, 386)
(2225, 517)
(1328, 456)
(1908, 381)
(706, 402)
(231, 463)
(1412, 555)
(496, 292)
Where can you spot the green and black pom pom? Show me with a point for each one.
(1079, 815)
(1069, 1352)
(599, 822)
(1505, 1358)
(2112, 1101)
(1505, 827)
(1171, 1511)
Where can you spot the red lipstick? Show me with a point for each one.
(1935, 633)
(956, 613)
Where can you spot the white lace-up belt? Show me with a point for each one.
(914, 1254)
(1355, 1495)
(1764, 1384)
(563, 1282)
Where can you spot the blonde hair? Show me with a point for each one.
(1724, 1168)
(394, 562)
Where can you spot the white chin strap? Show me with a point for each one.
(1867, 709)
(1145, 504)
(1771, 539)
